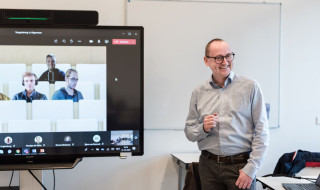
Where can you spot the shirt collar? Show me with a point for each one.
(226, 82)
(65, 91)
(25, 93)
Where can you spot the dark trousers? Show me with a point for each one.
(215, 176)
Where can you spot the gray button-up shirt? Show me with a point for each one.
(242, 120)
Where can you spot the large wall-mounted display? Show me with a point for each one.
(68, 93)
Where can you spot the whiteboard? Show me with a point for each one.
(176, 33)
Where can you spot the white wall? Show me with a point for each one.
(300, 104)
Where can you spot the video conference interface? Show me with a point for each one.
(70, 90)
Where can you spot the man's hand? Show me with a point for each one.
(243, 181)
(210, 121)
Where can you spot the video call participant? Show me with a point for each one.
(69, 92)
(29, 80)
(52, 74)
(227, 117)
(4, 97)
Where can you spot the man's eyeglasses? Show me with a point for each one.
(73, 79)
(219, 59)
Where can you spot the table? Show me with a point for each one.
(184, 160)
(276, 182)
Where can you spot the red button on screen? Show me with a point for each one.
(124, 41)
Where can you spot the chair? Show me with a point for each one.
(39, 68)
(12, 71)
(293, 162)
(52, 109)
(29, 126)
(59, 84)
(72, 125)
(92, 109)
(291, 165)
(103, 90)
(13, 110)
(86, 88)
(192, 180)
(268, 109)
(98, 72)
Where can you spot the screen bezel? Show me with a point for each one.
(37, 159)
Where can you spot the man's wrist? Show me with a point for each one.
(204, 129)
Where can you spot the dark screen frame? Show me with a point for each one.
(53, 161)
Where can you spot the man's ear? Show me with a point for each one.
(205, 59)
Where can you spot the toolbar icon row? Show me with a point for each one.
(80, 41)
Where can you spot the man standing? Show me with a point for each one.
(69, 92)
(227, 117)
(52, 74)
(29, 80)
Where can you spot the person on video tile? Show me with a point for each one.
(69, 92)
(29, 80)
(52, 74)
(4, 97)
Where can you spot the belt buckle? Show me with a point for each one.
(218, 159)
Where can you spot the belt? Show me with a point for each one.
(236, 159)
